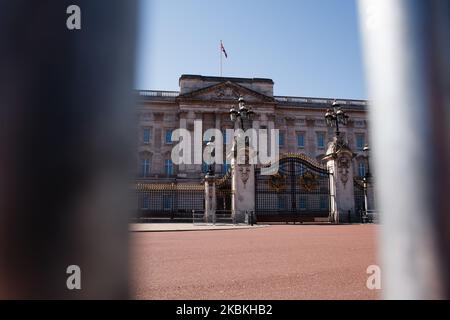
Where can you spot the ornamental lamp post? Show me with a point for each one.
(242, 113)
(366, 151)
(366, 179)
(336, 116)
(211, 170)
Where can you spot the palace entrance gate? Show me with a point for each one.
(299, 192)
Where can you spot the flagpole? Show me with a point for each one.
(220, 52)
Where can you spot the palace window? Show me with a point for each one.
(169, 167)
(360, 142)
(362, 169)
(225, 167)
(320, 140)
(169, 136)
(145, 167)
(301, 140)
(146, 135)
(281, 139)
(359, 123)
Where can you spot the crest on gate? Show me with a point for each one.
(277, 182)
(309, 181)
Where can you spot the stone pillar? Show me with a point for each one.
(210, 199)
(270, 127)
(243, 191)
(339, 159)
(183, 125)
(242, 182)
(218, 126)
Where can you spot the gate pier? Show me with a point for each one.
(242, 186)
(339, 161)
(210, 199)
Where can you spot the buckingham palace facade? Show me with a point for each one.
(300, 121)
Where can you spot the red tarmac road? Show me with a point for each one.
(277, 262)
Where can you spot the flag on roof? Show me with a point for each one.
(223, 49)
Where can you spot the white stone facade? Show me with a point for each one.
(300, 120)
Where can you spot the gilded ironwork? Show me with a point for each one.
(300, 191)
(223, 193)
(308, 181)
(308, 161)
(277, 182)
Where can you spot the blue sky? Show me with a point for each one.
(308, 47)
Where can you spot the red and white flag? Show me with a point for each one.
(222, 48)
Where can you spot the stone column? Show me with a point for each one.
(242, 183)
(218, 126)
(339, 159)
(270, 127)
(183, 125)
(210, 199)
(243, 191)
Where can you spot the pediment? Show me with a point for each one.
(226, 91)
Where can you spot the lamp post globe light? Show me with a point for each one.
(336, 116)
(242, 113)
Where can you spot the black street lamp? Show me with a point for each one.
(242, 113)
(366, 151)
(211, 170)
(366, 179)
(336, 116)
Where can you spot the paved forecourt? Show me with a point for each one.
(274, 262)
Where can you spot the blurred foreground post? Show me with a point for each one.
(66, 106)
(407, 51)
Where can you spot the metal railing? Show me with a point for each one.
(224, 217)
(289, 99)
(286, 99)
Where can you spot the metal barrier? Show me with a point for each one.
(169, 202)
(224, 217)
(198, 217)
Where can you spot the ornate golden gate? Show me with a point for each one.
(299, 192)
